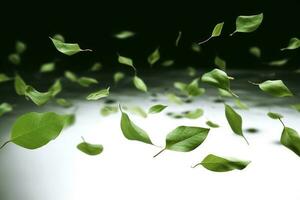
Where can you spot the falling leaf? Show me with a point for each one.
(191, 71)
(71, 76)
(118, 76)
(195, 114)
(275, 88)
(90, 149)
(96, 67)
(167, 63)
(98, 95)
(5, 108)
(294, 43)
(235, 121)
(55, 88)
(34, 130)
(224, 93)
(154, 57)
(63, 102)
(107, 110)
(274, 115)
(247, 24)
(220, 63)
(59, 37)
(69, 120)
(86, 81)
(296, 107)
(139, 84)
(178, 38)
(212, 124)
(20, 47)
(124, 35)
(196, 48)
(125, 60)
(278, 63)
(132, 131)
(185, 139)
(255, 51)
(219, 164)
(67, 48)
(241, 105)
(174, 99)
(156, 108)
(4, 78)
(215, 33)
(14, 58)
(47, 67)
(291, 139)
(20, 85)
(137, 110)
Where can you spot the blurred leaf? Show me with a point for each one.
(196, 48)
(63, 102)
(290, 139)
(86, 81)
(195, 114)
(274, 115)
(59, 37)
(139, 84)
(55, 88)
(174, 99)
(212, 124)
(107, 110)
(20, 47)
(154, 57)
(296, 107)
(294, 43)
(220, 63)
(118, 76)
(124, 35)
(98, 95)
(14, 58)
(47, 67)
(178, 38)
(71, 76)
(255, 51)
(278, 63)
(138, 111)
(241, 105)
(96, 67)
(156, 108)
(4, 78)
(191, 71)
(125, 61)
(5, 108)
(167, 63)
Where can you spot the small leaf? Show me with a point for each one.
(63, 102)
(90, 149)
(156, 108)
(96, 67)
(5, 108)
(291, 139)
(193, 88)
(273, 115)
(224, 93)
(212, 124)
(138, 111)
(34, 130)
(195, 114)
(20, 47)
(4, 78)
(86, 81)
(191, 71)
(196, 48)
(14, 58)
(217, 30)
(20, 85)
(185, 138)
(47, 67)
(56, 88)
(220, 63)
(98, 95)
(174, 99)
(219, 79)
(167, 63)
(154, 57)
(132, 131)
(71, 76)
(247, 24)
(278, 63)
(241, 105)
(69, 120)
(296, 107)
(118, 76)
(67, 48)
(107, 110)
(219, 164)
(255, 51)
(275, 88)
(125, 61)
(294, 43)
(139, 84)
(235, 121)
(124, 35)
(178, 38)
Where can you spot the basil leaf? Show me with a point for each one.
(138, 111)
(98, 95)
(107, 110)
(195, 114)
(247, 24)
(118, 76)
(63, 102)
(4, 78)
(241, 105)
(215, 33)
(90, 149)
(273, 115)
(275, 88)
(71, 76)
(212, 124)
(219, 164)
(125, 60)
(235, 121)
(174, 99)
(191, 71)
(294, 43)
(47, 67)
(154, 57)
(5, 108)
(86, 81)
(139, 84)
(291, 139)
(124, 35)
(278, 63)
(255, 51)
(56, 88)
(156, 108)
(20, 85)
(96, 67)
(14, 58)
(20, 47)
(219, 62)
(39, 98)
(167, 63)
(67, 48)
(59, 37)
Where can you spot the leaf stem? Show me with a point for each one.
(86, 50)
(196, 165)
(5, 143)
(159, 152)
(282, 122)
(232, 33)
(246, 140)
(199, 43)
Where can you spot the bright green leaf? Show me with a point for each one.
(154, 57)
(63, 102)
(217, 30)
(291, 139)
(247, 24)
(47, 67)
(71, 76)
(139, 84)
(90, 149)
(124, 35)
(156, 108)
(86, 81)
(195, 114)
(294, 43)
(138, 111)
(212, 124)
(5, 108)
(67, 48)
(98, 95)
(275, 88)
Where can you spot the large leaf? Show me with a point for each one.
(247, 24)
(275, 88)
(291, 139)
(185, 138)
(235, 121)
(67, 48)
(219, 164)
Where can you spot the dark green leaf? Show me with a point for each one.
(219, 62)
(274, 115)
(90, 149)
(212, 124)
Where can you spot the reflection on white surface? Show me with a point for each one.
(126, 169)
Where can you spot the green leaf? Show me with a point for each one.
(56, 88)
(39, 98)
(291, 139)
(235, 121)
(219, 79)
(132, 131)
(174, 99)
(63, 102)
(255, 51)
(185, 138)
(107, 110)
(296, 107)
(180, 86)
(154, 57)
(5, 108)
(96, 67)
(191, 71)
(247, 24)
(278, 63)
(167, 63)
(156, 108)
(273, 115)
(241, 105)
(138, 111)
(196, 48)
(71, 76)
(20, 85)
(69, 120)
(294, 43)
(178, 38)
(224, 93)
(217, 30)
(118, 76)
(98, 95)
(212, 124)
(20, 47)
(59, 37)
(90, 149)
(124, 35)
(67, 48)
(34, 130)
(125, 60)
(14, 58)
(86, 81)
(47, 67)
(275, 88)
(220, 63)
(139, 84)
(193, 88)
(195, 114)
(219, 164)
(4, 78)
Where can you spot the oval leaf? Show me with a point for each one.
(98, 95)
(291, 139)
(156, 108)
(275, 88)
(139, 84)
(154, 57)
(67, 48)
(90, 149)
(247, 24)
(293, 44)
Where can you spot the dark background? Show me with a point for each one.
(91, 24)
